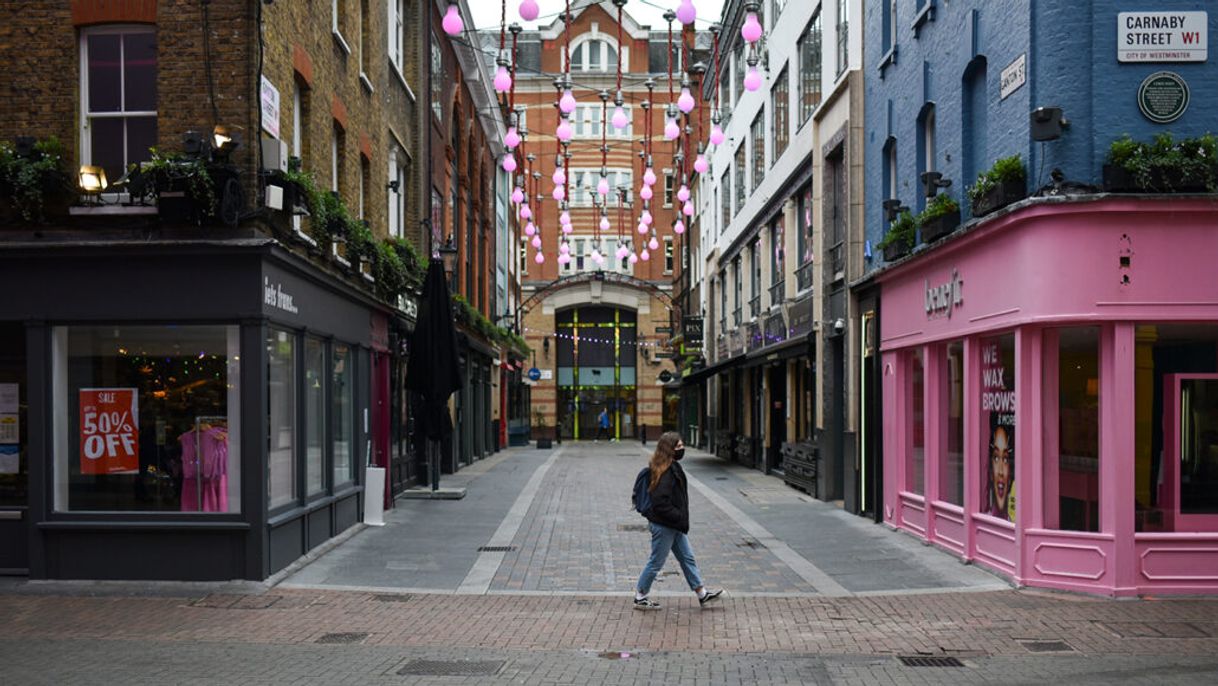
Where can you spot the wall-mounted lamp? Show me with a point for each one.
(892, 208)
(92, 179)
(394, 185)
(194, 144)
(545, 345)
(932, 181)
(1046, 123)
(448, 253)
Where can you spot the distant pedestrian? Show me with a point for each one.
(668, 515)
(602, 424)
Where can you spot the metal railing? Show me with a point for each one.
(778, 293)
(803, 276)
(837, 258)
(736, 318)
(755, 305)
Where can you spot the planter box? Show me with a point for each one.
(896, 250)
(1162, 180)
(939, 227)
(1000, 196)
(175, 207)
(1118, 180)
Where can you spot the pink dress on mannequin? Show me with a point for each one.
(205, 470)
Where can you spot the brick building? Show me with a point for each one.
(213, 346)
(599, 334)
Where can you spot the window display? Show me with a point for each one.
(315, 412)
(344, 402)
(146, 418)
(915, 472)
(1072, 461)
(997, 408)
(951, 470)
(281, 417)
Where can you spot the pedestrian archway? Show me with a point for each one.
(597, 356)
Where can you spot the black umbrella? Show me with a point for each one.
(432, 370)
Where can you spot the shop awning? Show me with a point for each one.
(788, 349)
(707, 372)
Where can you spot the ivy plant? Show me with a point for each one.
(28, 181)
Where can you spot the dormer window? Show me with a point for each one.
(594, 55)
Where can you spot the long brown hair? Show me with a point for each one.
(661, 459)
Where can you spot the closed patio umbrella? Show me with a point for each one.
(432, 370)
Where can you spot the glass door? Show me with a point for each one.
(1191, 468)
(14, 454)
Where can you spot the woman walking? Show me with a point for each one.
(669, 523)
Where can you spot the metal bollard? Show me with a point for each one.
(643, 433)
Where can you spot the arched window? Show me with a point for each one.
(594, 55)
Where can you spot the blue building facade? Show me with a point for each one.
(945, 61)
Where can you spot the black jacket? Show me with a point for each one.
(670, 500)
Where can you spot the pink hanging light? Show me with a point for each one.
(564, 258)
(685, 103)
(620, 120)
(751, 31)
(509, 163)
(564, 131)
(622, 252)
(511, 139)
(688, 209)
(752, 80)
(701, 165)
(503, 80)
(653, 243)
(716, 135)
(602, 186)
(452, 21)
(559, 177)
(671, 129)
(679, 227)
(604, 224)
(529, 10)
(642, 229)
(530, 229)
(596, 256)
(645, 256)
(567, 102)
(649, 177)
(537, 242)
(517, 196)
(632, 258)
(567, 228)
(646, 218)
(564, 248)
(686, 12)
(558, 193)
(526, 213)
(645, 193)
(540, 258)
(564, 218)
(683, 193)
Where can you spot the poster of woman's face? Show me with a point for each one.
(1001, 478)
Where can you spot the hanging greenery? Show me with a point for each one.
(29, 181)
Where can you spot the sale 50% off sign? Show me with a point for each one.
(109, 431)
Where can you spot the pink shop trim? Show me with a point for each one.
(1076, 478)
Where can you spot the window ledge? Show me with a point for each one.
(889, 59)
(111, 210)
(366, 83)
(340, 41)
(927, 13)
(393, 68)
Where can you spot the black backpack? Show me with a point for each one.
(642, 493)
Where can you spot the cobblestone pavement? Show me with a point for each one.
(803, 607)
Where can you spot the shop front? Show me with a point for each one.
(1050, 395)
(186, 410)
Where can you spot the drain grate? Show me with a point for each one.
(929, 661)
(451, 668)
(1047, 646)
(392, 598)
(632, 527)
(496, 548)
(354, 637)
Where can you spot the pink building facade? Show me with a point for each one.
(1050, 395)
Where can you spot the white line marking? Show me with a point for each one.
(400, 590)
(478, 580)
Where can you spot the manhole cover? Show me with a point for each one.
(1155, 630)
(1047, 646)
(929, 661)
(496, 548)
(355, 637)
(750, 543)
(632, 527)
(392, 598)
(451, 668)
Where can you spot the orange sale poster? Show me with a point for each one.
(109, 431)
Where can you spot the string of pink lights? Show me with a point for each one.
(678, 114)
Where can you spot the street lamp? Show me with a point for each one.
(448, 253)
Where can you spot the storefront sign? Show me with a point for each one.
(1162, 36)
(721, 348)
(775, 329)
(276, 297)
(1163, 97)
(1014, 76)
(753, 337)
(942, 299)
(691, 331)
(270, 107)
(735, 342)
(109, 431)
(547, 374)
(801, 317)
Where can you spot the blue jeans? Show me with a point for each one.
(664, 539)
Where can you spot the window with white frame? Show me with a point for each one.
(397, 196)
(668, 254)
(118, 97)
(339, 23)
(594, 55)
(669, 180)
(397, 36)
(584, 181)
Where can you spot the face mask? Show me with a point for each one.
(678, 453)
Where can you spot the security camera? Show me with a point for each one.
(839, 326)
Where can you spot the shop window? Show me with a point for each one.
(757, 133)
(780, 102)
(119, 90)
(315, 415)
(397, 36)
(147, 418)
(1176, 420)
(740, 167)
(809, 48)
(915, 457)
(281, 418)
(951, 469)
(997, 408)
(343, 411)
(1072, 419)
